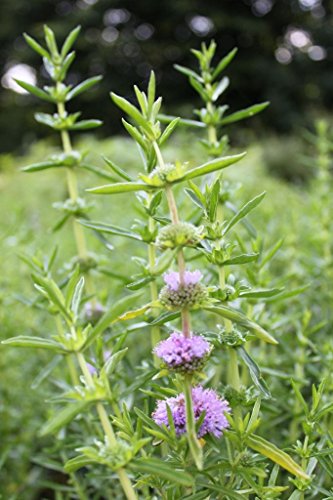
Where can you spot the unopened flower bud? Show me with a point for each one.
(181, 234)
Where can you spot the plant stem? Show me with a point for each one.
(172, 204)
(155, 333)
(193, 441)
(74, 194)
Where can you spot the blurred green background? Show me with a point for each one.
(285, 55)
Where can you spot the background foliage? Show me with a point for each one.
(124, 40)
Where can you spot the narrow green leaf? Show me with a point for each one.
(212, 166)
(220, 88)
(224, 62)
(34, 342)
(271, 252)
(163, 469)
(241, 259)
(299, 397)
(34, 90)
(288, 294)
(83, 86)
(244, 113)
(76, 463)
(165, 318)
(36, 167)
(131, 110)
(109, 317)
(135, 134)
(85, 125)
(51, 290)
(70, 288)
(99, 172)
(68, 61)
(241, 319)
(117, 169)
(63, 417)
(36, 46)
(261, 294)
(183, 121)
(168, 131)
(142, 100)
(134, 313)
(77, 296)
(51, 41)
(120, 187)
(278, 456)
(199, 89)
(140, 283)
(151, 91)
(255, 372)
(70, 40)
(227, 492)
(46, 371)
(214, 200)
(244, 211)
(112, 362)
(110, 229)
(188, 72)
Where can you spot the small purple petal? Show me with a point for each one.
(204, 400)
(192, 277)
(172, 279)
(92, 369)
(182, 353)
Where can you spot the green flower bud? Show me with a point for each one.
(164, 174)
(232, 339)
(181, 234)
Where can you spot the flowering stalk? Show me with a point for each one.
(194, 444)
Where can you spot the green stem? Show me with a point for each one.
(172, 204)
(195, 448)
(155, 333)
(126, 484)
(193, 441)
(233, 376)
(72, 185)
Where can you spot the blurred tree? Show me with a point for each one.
(285, 53)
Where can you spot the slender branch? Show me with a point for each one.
(193, 441)
(155, 333)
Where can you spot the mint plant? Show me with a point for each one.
(182, 414)
(183, 293)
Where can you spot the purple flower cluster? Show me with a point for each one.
(172, 279)
(183, 354)
(190, 294)
(204, 400)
